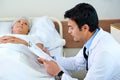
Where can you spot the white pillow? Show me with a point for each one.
(5, 28)
(45, 29)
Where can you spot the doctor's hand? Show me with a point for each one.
(51, 67)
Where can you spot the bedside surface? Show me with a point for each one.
(116, 25)
(115, 31)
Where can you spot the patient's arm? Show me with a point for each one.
(15, 40)
(12, 39)
(40, 45)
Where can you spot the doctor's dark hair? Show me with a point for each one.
(83, 13)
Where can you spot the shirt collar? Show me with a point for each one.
(88, 44)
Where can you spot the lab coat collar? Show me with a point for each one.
(96, 39)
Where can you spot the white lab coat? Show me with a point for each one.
(103, 60)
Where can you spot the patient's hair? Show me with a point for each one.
(83, 13)
(22, 17)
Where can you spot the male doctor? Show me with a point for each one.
(100, 53)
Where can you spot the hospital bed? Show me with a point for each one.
(6, 22)
(22, 63)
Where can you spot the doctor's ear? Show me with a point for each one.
(85, 27)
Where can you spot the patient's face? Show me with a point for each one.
(21, 27)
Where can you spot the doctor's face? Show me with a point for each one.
(76, 33)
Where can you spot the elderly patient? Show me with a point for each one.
(21, 26)
(17, 61)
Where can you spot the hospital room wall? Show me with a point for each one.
(107, 9)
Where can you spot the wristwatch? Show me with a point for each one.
(59, 75)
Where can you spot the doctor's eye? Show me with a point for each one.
(71, 28)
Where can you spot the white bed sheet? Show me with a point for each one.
(17, 62)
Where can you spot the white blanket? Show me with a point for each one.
(17, 62)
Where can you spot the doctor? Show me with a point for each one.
(100, 53)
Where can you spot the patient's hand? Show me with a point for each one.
(46, 51)
(12, 39)
(40, 45)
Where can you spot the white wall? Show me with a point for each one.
(107, 9)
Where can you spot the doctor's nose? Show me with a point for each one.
(69, 31)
